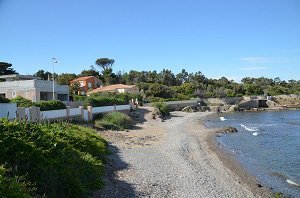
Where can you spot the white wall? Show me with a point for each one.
(54, 114)
(8, 109)
(11, 109)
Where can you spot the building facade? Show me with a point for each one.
(86, 84)
(35, 90)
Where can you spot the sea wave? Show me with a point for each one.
(292, 182)
(251, 129)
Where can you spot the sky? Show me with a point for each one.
(232, 38)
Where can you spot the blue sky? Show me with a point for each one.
(231, 38)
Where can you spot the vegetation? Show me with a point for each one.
(13, 186)
(44, 105)
(4, 100)
(6, 68)
(114, 121)
(57, 160)
(107, 99)
(163, 108)
(166, 85)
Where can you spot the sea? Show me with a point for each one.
(267, 145)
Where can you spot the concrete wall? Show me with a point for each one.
(8, 110)
(31, 89)
(34, 114)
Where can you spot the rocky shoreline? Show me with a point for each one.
(175, 158)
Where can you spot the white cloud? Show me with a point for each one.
(255, 59)
(255, 68)
(273, 60)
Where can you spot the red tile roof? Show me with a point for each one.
(111, 88)
(82, 78)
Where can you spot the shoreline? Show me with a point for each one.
(176, 157)
(234, 165)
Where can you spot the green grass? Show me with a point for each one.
(58, 159)
(114, 121)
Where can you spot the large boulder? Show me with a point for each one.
(233, 108)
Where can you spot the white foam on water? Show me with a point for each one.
(251, 129)
(255, 134)
(222, 119)
(292, 182)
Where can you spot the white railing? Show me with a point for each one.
(10, 110)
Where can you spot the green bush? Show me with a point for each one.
(61, 159)
(50, 105)
(163, 108)
(13, 186)
(79, 98)
(4, 100)
(114, 121)
(22, 102)
(109, 99)
(44, 105)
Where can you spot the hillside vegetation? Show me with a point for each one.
(56, 160)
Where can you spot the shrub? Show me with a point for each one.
(13, 186)
(114, 121)
(108, 99)
(44, 105)
(22, 102)
(50, 105)
(163, 108)
(61, 159)
(4, 100)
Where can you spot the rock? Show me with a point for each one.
(156, 114)
(188, 109)
(272, 104)
(229, 130)
(233, 108)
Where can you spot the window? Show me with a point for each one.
(89, 85)
(81, 83)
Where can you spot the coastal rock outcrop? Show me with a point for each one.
(229, 129)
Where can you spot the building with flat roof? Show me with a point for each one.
(34, 89)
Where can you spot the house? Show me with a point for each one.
(117, 88)
(86, 84)
(32, 88)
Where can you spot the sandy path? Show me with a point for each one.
(170, 159)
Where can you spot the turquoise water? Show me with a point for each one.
(267, 145)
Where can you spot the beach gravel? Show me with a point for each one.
(179, 164)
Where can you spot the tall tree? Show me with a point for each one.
(182, 77)
(107, 73)
(6, 68)
(105, 63)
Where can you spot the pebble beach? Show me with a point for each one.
(176, 157)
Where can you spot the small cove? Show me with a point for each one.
(267, 145)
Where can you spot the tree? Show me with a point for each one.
(74, 89)
(91, 72)
(105, 63)
(6, 68)
(182, 77)
(43, 75)
(65, 78)
(167, 77)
